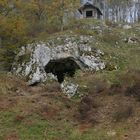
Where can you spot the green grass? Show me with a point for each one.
(31, 131)
(125, 57)
(42, 129)
(35, 131)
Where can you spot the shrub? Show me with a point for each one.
(123, 112)
(87, 110)
(134, 91)
(115, 88)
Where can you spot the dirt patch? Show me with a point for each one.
(12, 136)
(53, 87)
(19, 118)
(84, 127)
(7, 103)
(49, 112)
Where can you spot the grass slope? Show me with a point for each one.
(106, 107)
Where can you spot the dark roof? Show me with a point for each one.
(89, 5)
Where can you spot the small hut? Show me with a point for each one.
(88, 10)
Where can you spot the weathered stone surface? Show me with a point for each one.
(92, 62)
(69, 88)
(77, 48)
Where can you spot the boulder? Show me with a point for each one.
(69, 88)
(59, 56)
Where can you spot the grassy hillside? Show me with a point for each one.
(106, 106)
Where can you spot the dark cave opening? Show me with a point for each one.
(62, 67)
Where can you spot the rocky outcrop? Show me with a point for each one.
(59, 56)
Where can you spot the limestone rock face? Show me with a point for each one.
(33, 59)
(33, 67)
(92, 62)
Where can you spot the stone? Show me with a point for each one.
(70, 89)
(92, 63)
(131, 40)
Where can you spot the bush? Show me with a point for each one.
(115, 89)
(123, 112)
(87, 110)
(7, 55)
(134, 91)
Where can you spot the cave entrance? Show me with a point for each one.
(62, 67)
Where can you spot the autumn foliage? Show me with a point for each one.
(22, 21)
